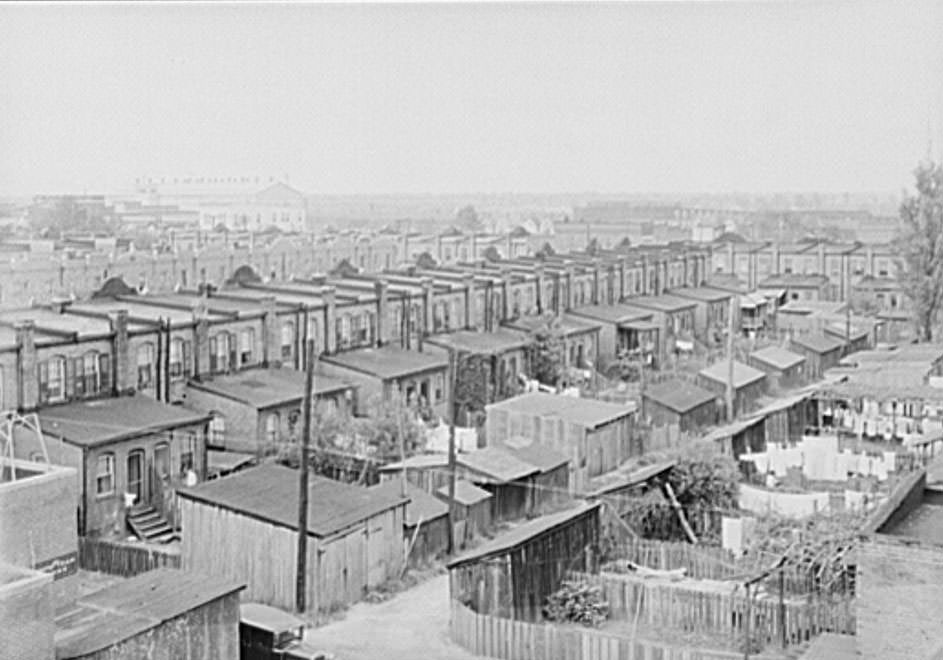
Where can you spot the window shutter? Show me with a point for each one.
(78, 376)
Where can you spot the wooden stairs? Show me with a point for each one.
(149, 525)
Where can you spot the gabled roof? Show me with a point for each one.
(102, 421)
(466, 493)
(743, 374)
(134, 606)
(778, 358)
(268, 493)
(678, 395)
(529, 531)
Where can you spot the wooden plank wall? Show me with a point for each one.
(506, 639)
(123, 559)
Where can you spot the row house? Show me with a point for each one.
(580, 336)
(623, 330)
(711, 313)
(674, 317)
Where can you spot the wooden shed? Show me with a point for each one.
(783, 368)
(597, 436)
(551, 485)
(748, 383)
(742, 436)
(166, 613)
(472, 509)
(245, 527)
(820, 351)
(679, 402)
(512, 575)
(426, 528)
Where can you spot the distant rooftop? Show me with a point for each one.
(589, 413)
(616, 313)
(388, 362)
(487, 343)
(678, 395)
(743, 374)
(265, 388)
(663, 303)
(777, 357)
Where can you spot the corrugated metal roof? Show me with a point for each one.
(521, 535)
(269, 493)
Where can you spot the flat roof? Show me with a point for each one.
(497, 464)
(268, 618)
(521, 535)
(263, 492)
(617, 313)
(627, 478)
(663, 303)
(144, 311)
(817, 342)
(101, 421)
(421, 506)
(134, 606)
(793, 280)
(776, 357)
(226, 461)
(814, 307)
(704, 293)
(743, 374)
(63, 325)
(488, 343)
(679, 395)
(590, 413)
(245, 308)
(567, 323)
(542, 457)
(267, 387)
(466, 493)
(388, 362)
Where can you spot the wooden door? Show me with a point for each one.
(136, 477)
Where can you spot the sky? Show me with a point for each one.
(485, 98)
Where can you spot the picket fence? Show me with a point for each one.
(682, 606)
(124, 559)
(507, 639)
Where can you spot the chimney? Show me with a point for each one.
(597, 280)
(26, 366)
(645, 277)
(471, 322)
(124, 376)
(427, 302)
(201, 340)
(539, 286)
(610, 285)
(383, 312)
(568, 287)
(271, 333)
(505, 294)
(329, 296)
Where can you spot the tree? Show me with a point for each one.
(592, 248)
(544, 252)
(491, 253)
(426, 261)
(919, 248)
(467, 219)
(547, 351)
(625, 243)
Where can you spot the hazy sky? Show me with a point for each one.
(644, 97)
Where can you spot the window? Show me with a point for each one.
(516, 303)
(293, 417)
(219, 353)
(187, 451)
(218, 431)
(271, 428)
(439, 381)
(176, 358)
(246, 345)
(105, 475)
(162, 461)
(288, 340)
(52, 379)
(145, 365)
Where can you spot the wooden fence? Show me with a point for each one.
(123, 559)
(506, 639)
(715, 609)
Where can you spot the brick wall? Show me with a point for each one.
(26, 610)
(899, 595)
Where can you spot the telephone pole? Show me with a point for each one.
(302, 573)
(730, 371)
(453, 367)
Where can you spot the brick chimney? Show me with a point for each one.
(124, 376)
(271, 333)
(201, 340)
(329, 296)
(27, 375)
(568, 286)
(506, 278)
(383, 312)
(468, 280)
(427, 302)
(597, 280)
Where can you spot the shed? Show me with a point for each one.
(679, 402)
(245, 527)
(426, 528)
(185, 615)
(597, 436)
(739, 437)
(507, 477)
(551, 484)
(628, 483)
(748, 383)
(512, 575)
(820, 351)
(782, 367)
(472, 510)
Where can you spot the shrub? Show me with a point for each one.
(577, 602)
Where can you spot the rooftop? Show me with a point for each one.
(623, 478)
(778, 358)
(132, 607)
(813, 307)
(488, 343)
(102, 421)
(678, 395)
(466, 493)
(497, 465)
(818, 343)
(541, 457)
(617, 313)
(137, 310)
(703, 293)
(568, 324)
(522, 534)
(794, 280)
(589, 413)
(663, 303)
(421, 507)
(743, 374)
(243, 307)
(262, 492)
(388, 362)
(49, 324)
(265, 388)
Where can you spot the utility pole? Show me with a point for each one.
(453, 366)
(847, 328)
(302, 573)
(402, 438)
(730, 372)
